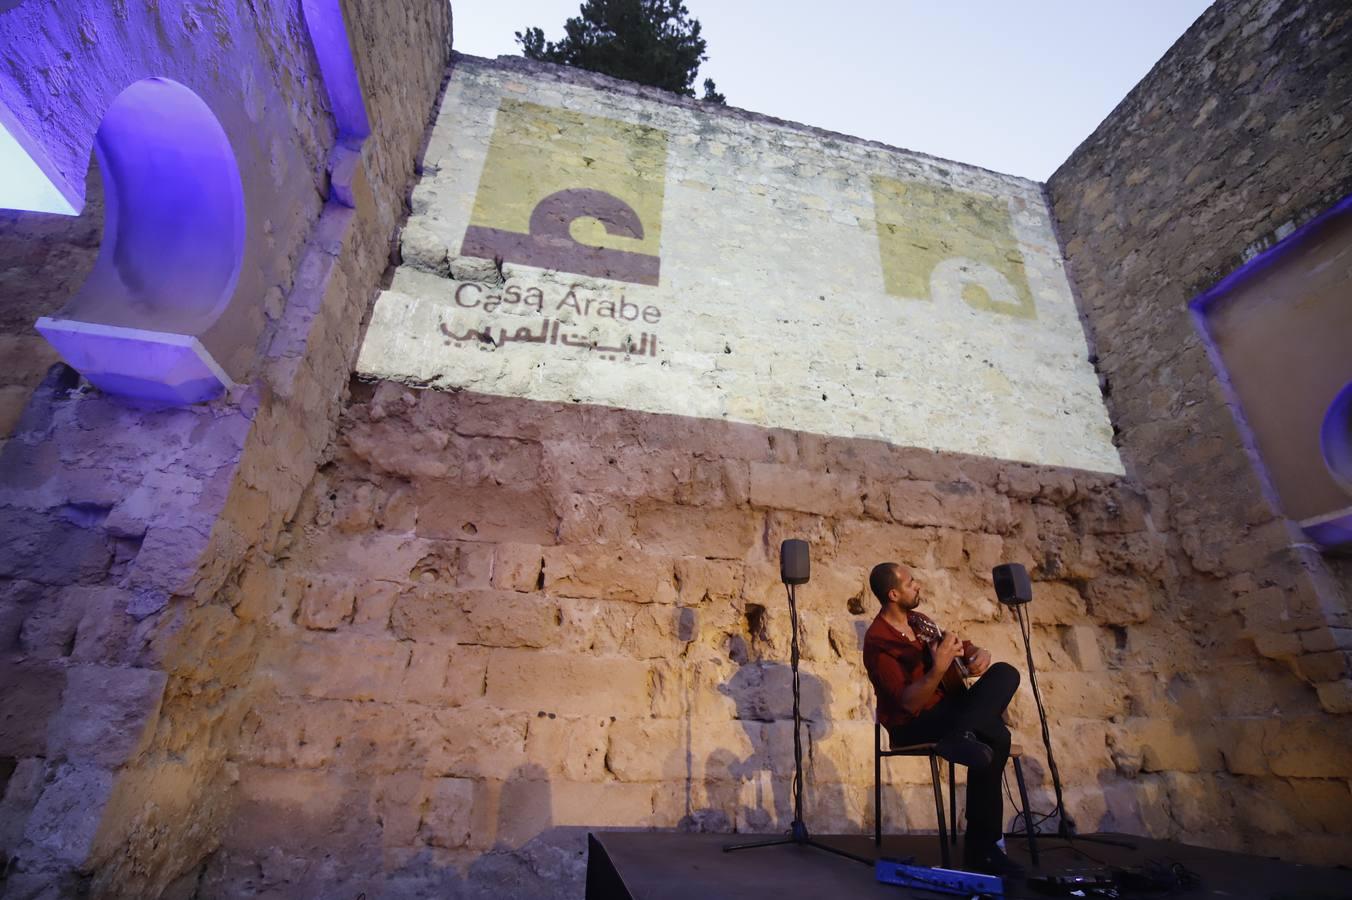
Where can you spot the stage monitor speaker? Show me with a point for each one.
(794, 565)
(1012, 585)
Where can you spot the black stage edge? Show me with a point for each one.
(645, 865)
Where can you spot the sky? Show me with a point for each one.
(1011, 86)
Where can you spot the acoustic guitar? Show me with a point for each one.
(925, 628)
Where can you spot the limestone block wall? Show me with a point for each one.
(501, 620)
(1236, 137)
(580, 239)
(45, 259)
(124, 532)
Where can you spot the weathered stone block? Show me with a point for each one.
(48, 550)
(1113, 512)
(659, 631)
(49, 629)
(1199, 804)
(517, 567)
(1057, 603)
(983, 551)
(374, 601)
(286, 808)
(1082, 643)
(325, 603)
(627, 471)
(107, 715)
(1322, 640)
(29, 695)
(486, 513)
(1114, 600)
(864, 544)
(450, 803)
(623, 805)
(595, 519)
(400, 802)
(474, 741)
(487, 618)
(1310, 747)
(424, 250)
(1082, 694)
(22, 790)
(714, 483)
(1276, 645)
(700, 579)
(574, 747)
(603, 571)
(64, 824)
(1137, 552)
(260, 592)
(1161, 745)
(951, 505)
(687, 531)
(321, 666)
(1319, 668)
(646, 750)
(790, 487)
(533, 681)
(1336, 697)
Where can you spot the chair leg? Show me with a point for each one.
(877, 786)
(1027, 816)
(939, 808)
(952, 805)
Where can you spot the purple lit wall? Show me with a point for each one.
(187, 278)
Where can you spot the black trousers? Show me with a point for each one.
(978, 710)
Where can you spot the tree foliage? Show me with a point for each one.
(653, 42)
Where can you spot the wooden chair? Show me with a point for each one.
(948, 832)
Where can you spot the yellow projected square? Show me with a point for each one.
(962, 242)
(537, 151)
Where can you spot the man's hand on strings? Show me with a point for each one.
(947, 650)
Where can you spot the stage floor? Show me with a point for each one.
(666, 866)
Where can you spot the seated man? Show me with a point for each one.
(916, 708)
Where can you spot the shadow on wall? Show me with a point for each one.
(754, 793)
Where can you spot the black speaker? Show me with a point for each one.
(1012, 586)
(794, 564)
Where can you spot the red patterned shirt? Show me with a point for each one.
(894, 662)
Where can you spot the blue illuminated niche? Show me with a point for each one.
(173, 242)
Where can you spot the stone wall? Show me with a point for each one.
(43, 259)
(666, 255)
(500, 620)
(124, 531)
(1237, 136)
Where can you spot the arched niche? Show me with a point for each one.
(173, 246)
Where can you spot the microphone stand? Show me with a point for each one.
(798, 833)
(1065, 826)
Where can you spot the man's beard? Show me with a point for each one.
(914, 603)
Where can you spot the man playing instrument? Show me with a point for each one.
(907, 658)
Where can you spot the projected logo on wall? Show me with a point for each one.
(941, 244)
(571, 192)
